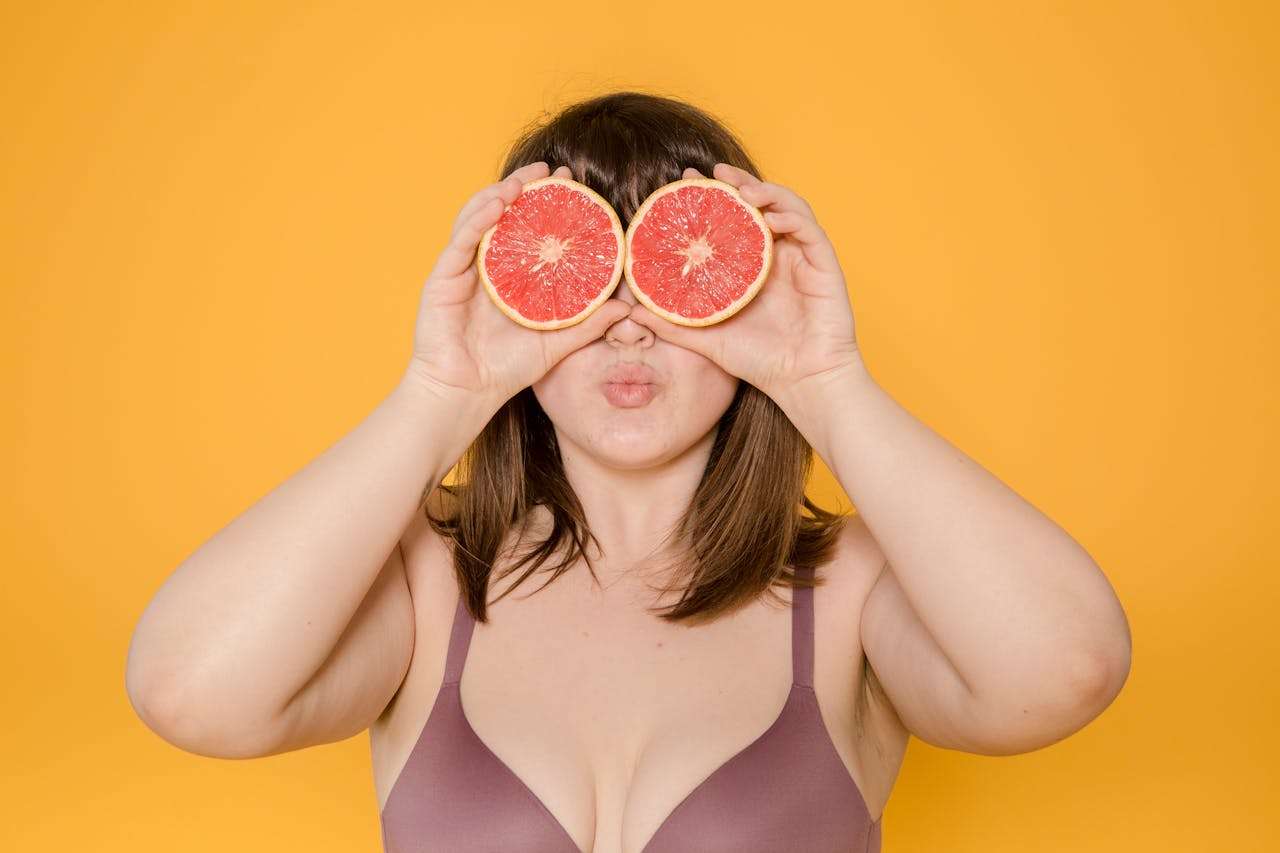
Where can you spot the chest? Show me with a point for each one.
(609, 718)
(640, 711)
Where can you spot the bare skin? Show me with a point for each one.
(623, 698)
(325, 608)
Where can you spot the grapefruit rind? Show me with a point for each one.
(733, 307)
(614, 278)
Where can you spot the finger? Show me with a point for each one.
(560, 342)
(507, 189)
(563, 172)
(788, 213)
(461, 251)
(733, 175)
(813, 241)
(691, 172)
(699, 339)
(764, 194)
(761, 193)
(529, 171)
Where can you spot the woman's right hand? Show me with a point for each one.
(462, 342)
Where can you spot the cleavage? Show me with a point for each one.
(611, 716)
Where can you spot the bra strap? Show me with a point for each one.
(459, 641)
(801, 636)
(802, 631)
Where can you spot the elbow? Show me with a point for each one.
(179, 717)
(1100, 668)
(161, 709)
(1037, 716)
(1100, 674)
(1093, 667)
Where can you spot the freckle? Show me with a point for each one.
(659, 644)
(586, 634)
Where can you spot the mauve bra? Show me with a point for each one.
(788, 790)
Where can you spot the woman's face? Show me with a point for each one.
(666, 398)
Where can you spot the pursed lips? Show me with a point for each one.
(631, 374)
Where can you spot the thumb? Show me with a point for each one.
(695, 338)
(560, 342)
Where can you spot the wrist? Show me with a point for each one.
(816, 404)
(813, 390)
(418, 383)
(436, 402)
(446, 419)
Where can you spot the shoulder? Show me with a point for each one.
(845, 582)
(857, 566)
(428, 563)
(856, 563)
(427, 552)
(869, 724)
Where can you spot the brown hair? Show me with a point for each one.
(745, 530)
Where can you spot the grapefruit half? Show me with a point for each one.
(697, 252)
(554, 255)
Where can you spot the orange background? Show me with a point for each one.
(1058, 222)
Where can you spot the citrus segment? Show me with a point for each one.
(554, 255)
(697, 252)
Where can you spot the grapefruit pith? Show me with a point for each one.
(697, 252)
(554, 255)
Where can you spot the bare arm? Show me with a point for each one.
(293, 625)
(244, 623)
(991, 629)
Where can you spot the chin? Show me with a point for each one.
(626, 439)
(626, 433)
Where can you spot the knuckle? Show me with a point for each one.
(480, 198)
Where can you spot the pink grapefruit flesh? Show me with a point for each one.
(697, 252)
(554, 255)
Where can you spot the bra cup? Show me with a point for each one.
(786, 790)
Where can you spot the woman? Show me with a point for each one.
(350, 597)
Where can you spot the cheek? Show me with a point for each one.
(710, 375)
(704, 390)
(564, 385)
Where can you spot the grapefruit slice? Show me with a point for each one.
(697, 252)
(554, 255)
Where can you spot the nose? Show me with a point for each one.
(623, 292)
(627, 332)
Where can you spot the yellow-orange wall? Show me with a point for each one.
(1059, 224)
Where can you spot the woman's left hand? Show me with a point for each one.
(798, 330)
